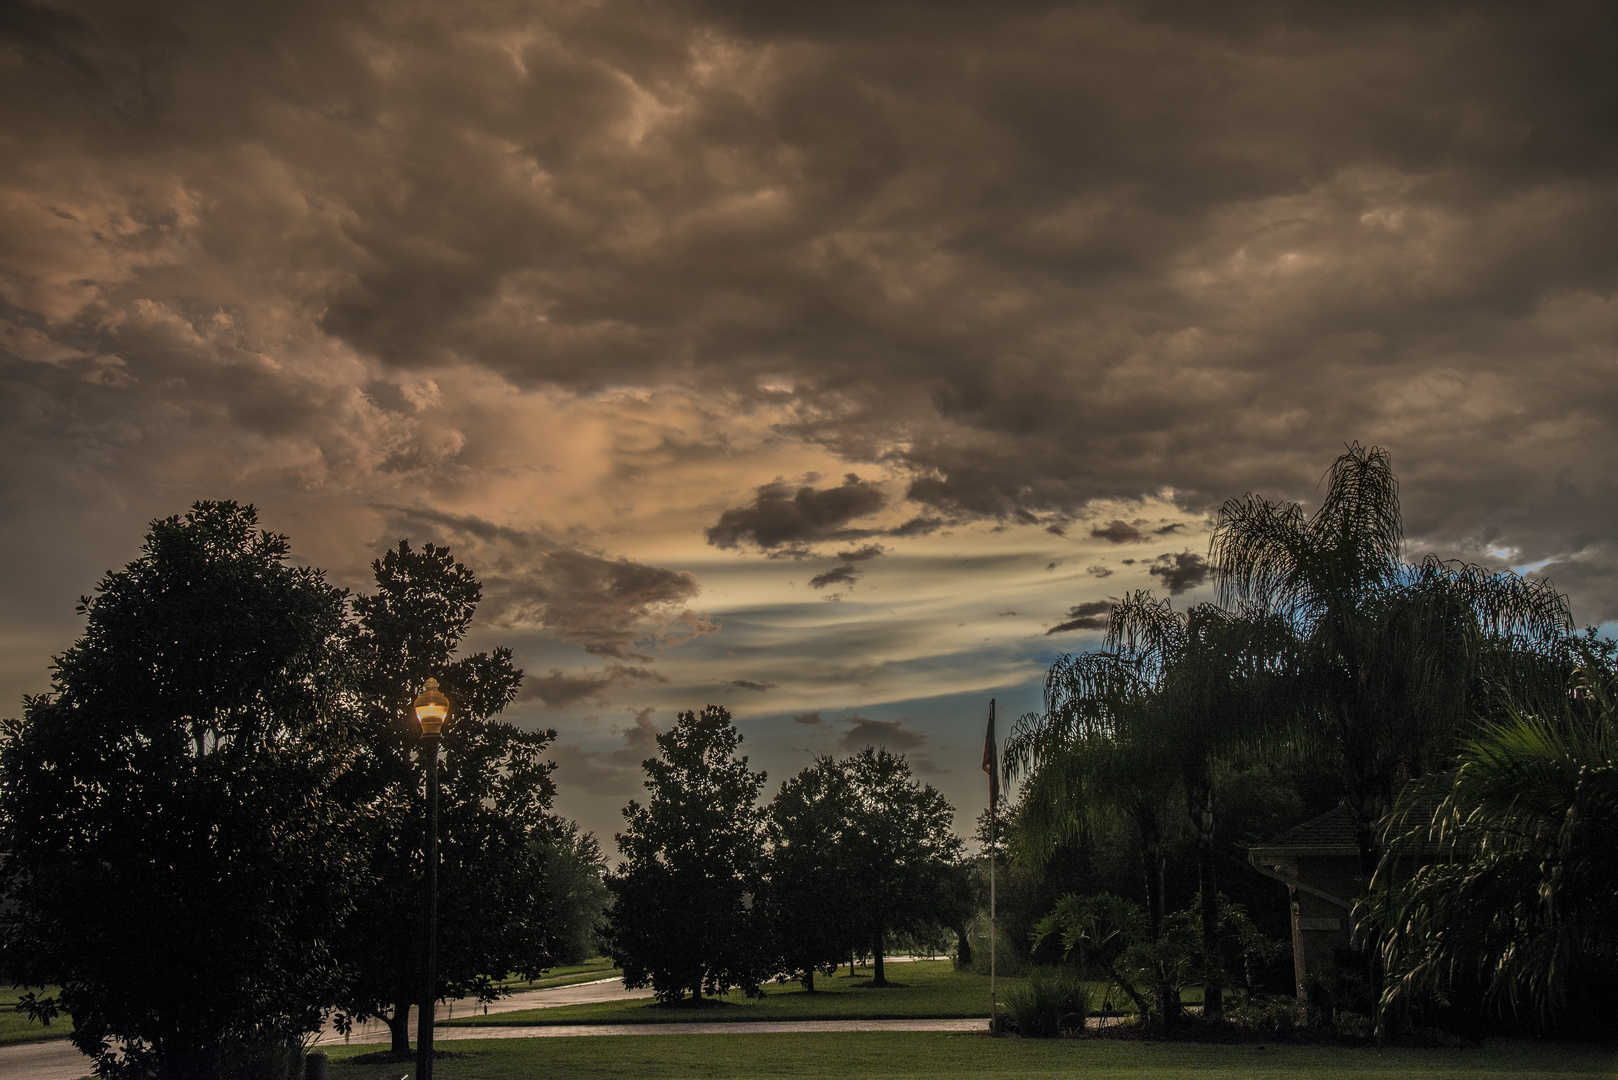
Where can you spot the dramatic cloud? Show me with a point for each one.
(1180, 572)
(1098, 571)
(811, 719)
(605, 605)
(1118, 532)
(570, 284)
(1092, 615)
(609, 772)
(887, 733)
(779, 517)
(847, 571)
(843, 574)
(558, 690)
(748, 684)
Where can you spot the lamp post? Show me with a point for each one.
(431, 708)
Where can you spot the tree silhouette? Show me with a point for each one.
(1394, 659)
(177, 860)
(681, 920)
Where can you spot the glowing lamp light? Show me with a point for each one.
(431, 708)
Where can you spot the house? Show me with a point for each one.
(1319, 863)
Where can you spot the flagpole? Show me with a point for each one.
(994, 785)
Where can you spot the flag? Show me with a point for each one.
(991, 762)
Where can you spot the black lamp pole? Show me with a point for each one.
(431, 708)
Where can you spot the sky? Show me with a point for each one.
(834, 362)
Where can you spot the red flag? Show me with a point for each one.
(991, 762)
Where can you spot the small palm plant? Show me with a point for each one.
(1501, 875)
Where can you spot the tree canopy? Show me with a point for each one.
(177, 860)
(494, 801)
(682, 919)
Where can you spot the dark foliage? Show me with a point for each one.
(176, 859)
(494, 799)
(682, 920)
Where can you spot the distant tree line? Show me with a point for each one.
(213, 824)
(716, 892)
(1452, 710)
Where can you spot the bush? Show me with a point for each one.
(1054, 1001)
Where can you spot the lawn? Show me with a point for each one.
(589, 971)
(15, 1027)
(942, 1056)
(924, 988)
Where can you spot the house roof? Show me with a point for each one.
(1332, 833)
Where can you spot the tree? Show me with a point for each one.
(176, 858)
(900, 852)
(495, 827)
(575, 872)
(1217, 682)
(1090, 759)
(1171, 696)
(681, 919)
(1394, 658)
(1499, 875)
(810, 827)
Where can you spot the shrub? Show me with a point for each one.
(1054, 1001)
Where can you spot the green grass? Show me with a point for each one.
(942, 1056)
(15, 1027)
(589, 971)
(926, 988)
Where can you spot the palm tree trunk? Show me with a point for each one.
(1213, 1004)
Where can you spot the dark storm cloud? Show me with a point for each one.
(1028, 256)
(811, 719)
(749, 684)
(1118, 532)
(1093, 615)
(609, 772)
(888, 733)
(781, 517)
(603, 604)
(610, 607)
(1179, 572)
(843, 574)
(558, 690)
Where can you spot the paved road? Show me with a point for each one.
(58, 1060)
(733, 1027)
(577, 994)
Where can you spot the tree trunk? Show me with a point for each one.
(876, 951)
(399, 1027)
(1152, 865)
(809, 980)
(1213, 1003)
(963, 947)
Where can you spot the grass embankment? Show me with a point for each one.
(15, 1027)
(941, 1056)
(924, 988)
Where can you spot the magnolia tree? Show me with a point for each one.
(178, 861)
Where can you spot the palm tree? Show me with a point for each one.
(1086, 761)
(1501, 875)
(1394, 658)
(1125, 728)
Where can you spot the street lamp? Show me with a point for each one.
(431, 708)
